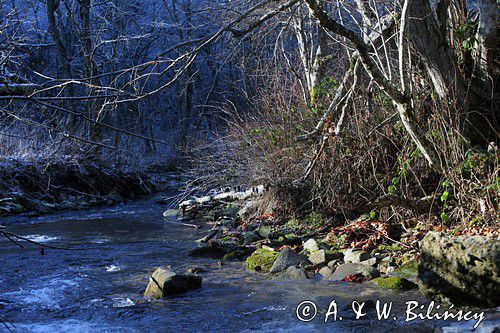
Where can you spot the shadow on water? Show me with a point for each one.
(98, 287)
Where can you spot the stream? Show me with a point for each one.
(97, 286)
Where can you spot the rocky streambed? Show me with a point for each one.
(450, 271)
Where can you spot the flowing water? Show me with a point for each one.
(97, 286)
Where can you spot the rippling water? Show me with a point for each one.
(97, 287)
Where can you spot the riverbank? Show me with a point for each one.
(42, 186)
(366, 250)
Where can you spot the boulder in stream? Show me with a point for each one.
(165, 282)
(324, 256)
(365, 272)
(287, 258)
(261, 260)
(295, 272)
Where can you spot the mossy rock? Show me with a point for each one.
(250, 237)
(238, 254)
(394, 282)
(261, 260)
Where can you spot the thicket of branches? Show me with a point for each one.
(388, 108)
(352, 106)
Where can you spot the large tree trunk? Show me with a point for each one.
(427, 32)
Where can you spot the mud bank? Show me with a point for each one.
(37, 187)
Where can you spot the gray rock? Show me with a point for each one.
(214, 251)
(165, 282)
(370, 262)
(250, 237)
(295, 272)
(344, 270)
(324, 256)
(326, 271)
(311, 245)
(335, 263)
(226, 212)
(355, 256)
(463, 270)
(287, 258)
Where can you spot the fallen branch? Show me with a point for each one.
(229, 196)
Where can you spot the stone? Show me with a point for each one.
(334, 263)
(250, 237)
(326, 271)
(165, 282)
(347, 269)
(370, 262)
(408, 270)
(195, 270)
(265, 231)
(295, 272)
(324, 256)
(311, 245)
(394, 282)
(462, 270)
(226, 212)
(208, 251)
(287, 258)
(261, 260)
(355, 256)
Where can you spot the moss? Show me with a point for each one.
(310, 220)
(313, 220)
(261, 260)
(389, 248)
(394, 282)
(293, 224)
(407, 270)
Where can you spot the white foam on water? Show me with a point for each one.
(113, 268)
(119, 302)
(48, 296)
(70, 326)
(42, 238)
(101, 240)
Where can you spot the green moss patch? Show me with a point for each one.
(261, 260)
(394, 282)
